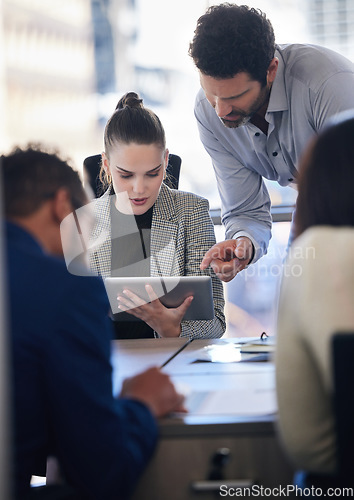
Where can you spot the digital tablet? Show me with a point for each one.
(171, 290)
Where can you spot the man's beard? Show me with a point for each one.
(237, 123)
(246, 117)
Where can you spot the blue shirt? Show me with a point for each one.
(63, 403)
(311, 85)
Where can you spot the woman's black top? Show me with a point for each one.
(130, 257)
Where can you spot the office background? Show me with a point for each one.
(65, 63)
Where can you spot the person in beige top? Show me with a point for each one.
(317, 297)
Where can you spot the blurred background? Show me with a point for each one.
(65, 63)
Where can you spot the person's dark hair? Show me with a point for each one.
(326, 178)
(230, 39)
(131, 123)
(32, 175)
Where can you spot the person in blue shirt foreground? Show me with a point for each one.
(60, 335)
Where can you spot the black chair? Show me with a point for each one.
(172, 171)
(343, 366)
(343, 404)
(92, 166)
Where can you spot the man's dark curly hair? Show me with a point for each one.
(230, 39)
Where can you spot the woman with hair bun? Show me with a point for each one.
(153, 230)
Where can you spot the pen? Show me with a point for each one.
(177, 352)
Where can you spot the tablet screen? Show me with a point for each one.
(171, 290)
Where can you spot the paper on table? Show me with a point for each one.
(230, 353)
(224, 353)
(251, 402)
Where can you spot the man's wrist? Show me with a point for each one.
(252, 247)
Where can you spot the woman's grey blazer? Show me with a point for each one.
(181, 232)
